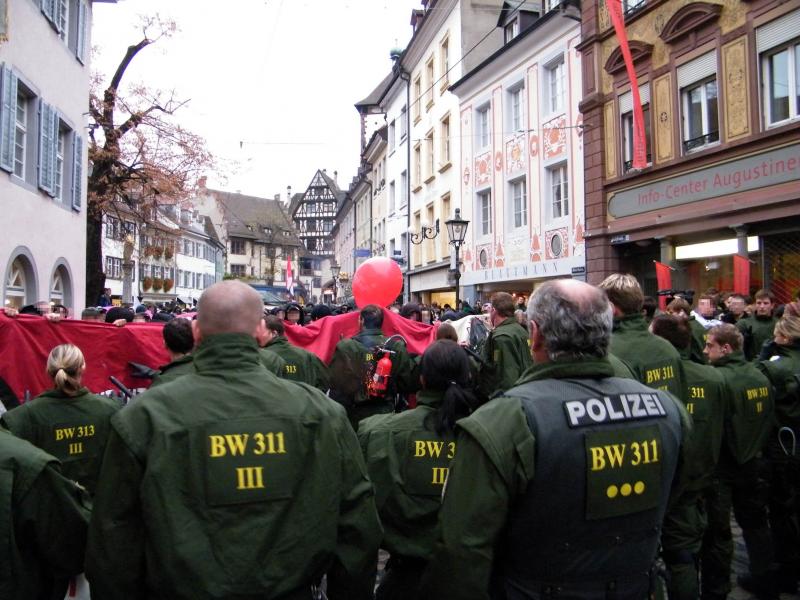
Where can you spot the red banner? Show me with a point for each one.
(664, 281)
(741, 275)
(639, 141)
(26, 341)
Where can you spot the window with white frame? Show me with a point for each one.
(417, 181)
(444, 150)
(484, 211)
(113, 267)
(558, 188)
(403, 189)
(429, 82)
(403, 123)
(626, 112)
(778, 46)
(238, 247)
(515, 108)
(391, 135)
(697, 81)
(58, 183)
(511, 30)
(236, 270)
(392, 197)
(429, 155)
(519, 203)
(21, 134)
(417, 98)
(444, 63)
(483, 126)
(555, 85)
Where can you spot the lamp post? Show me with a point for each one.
(457, 231)
(335, 269)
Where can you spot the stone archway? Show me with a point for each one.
(61, 285)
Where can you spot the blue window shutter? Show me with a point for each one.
(47, 8)
(80, 46)
(54, 152)
(46, 114)
(77, 171)
(8, 119)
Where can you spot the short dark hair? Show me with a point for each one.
(178, 335)
(119, 312)
(319, 311)
(372, 316)
(764, 295)
(503, 303)
(275, 324)
(674, 329)
(411, 308)
(727, 334)
(446, 332)
(649, 306)
(90, 312)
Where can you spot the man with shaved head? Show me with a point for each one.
(567, 475)
(230, 482)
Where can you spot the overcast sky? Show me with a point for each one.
(272, 83)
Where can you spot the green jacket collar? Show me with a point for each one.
(589, 368)
(279, 341)
(732, 359)
(227, 352)
(59, 395)
(635, 322)
(507, 322)
(429, 398)
(177, 362)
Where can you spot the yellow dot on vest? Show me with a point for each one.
(638, 487)
(612, 491)
(626, 489)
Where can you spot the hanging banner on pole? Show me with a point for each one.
(741, 274)
(639, 142)
(664, 281)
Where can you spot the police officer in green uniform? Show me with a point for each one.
(505, 353)
(407, 457)
(178, 341)
(685, 522)
(559, 486)
(301, 365)
(43, 519)
(757, 328)
(739, 478)
(68, 422)
(214, 486)
(653, 360)
(781, 365)
(353, 367)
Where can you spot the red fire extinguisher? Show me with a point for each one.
(380, 379)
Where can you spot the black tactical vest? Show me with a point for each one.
(589, 524)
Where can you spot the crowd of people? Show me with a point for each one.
(587, 445)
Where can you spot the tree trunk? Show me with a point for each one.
(95, 277)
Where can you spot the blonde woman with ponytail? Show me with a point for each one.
(67, 421)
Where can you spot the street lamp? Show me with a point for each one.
(427, 233)
(335, 269)
(457, 231)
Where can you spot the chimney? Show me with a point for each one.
(288, 194)
(336, 177)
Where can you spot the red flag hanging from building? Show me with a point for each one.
(741, 274)
(289, 278)
(664, 281)
(639, 142)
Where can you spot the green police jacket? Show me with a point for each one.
(781, 370)
(756, 330)
(353, 365)
(698, 343)
(506, 355)
(493, 471)
(273, 363)
(74, 429)
(301, 365)
(216, 486)
(653, 360)
(177, 368)
(749, 407)
(43, 521)
(705, 403)
(408, 462)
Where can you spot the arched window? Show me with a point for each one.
(19, 285)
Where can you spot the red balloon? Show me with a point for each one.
(377, 281)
